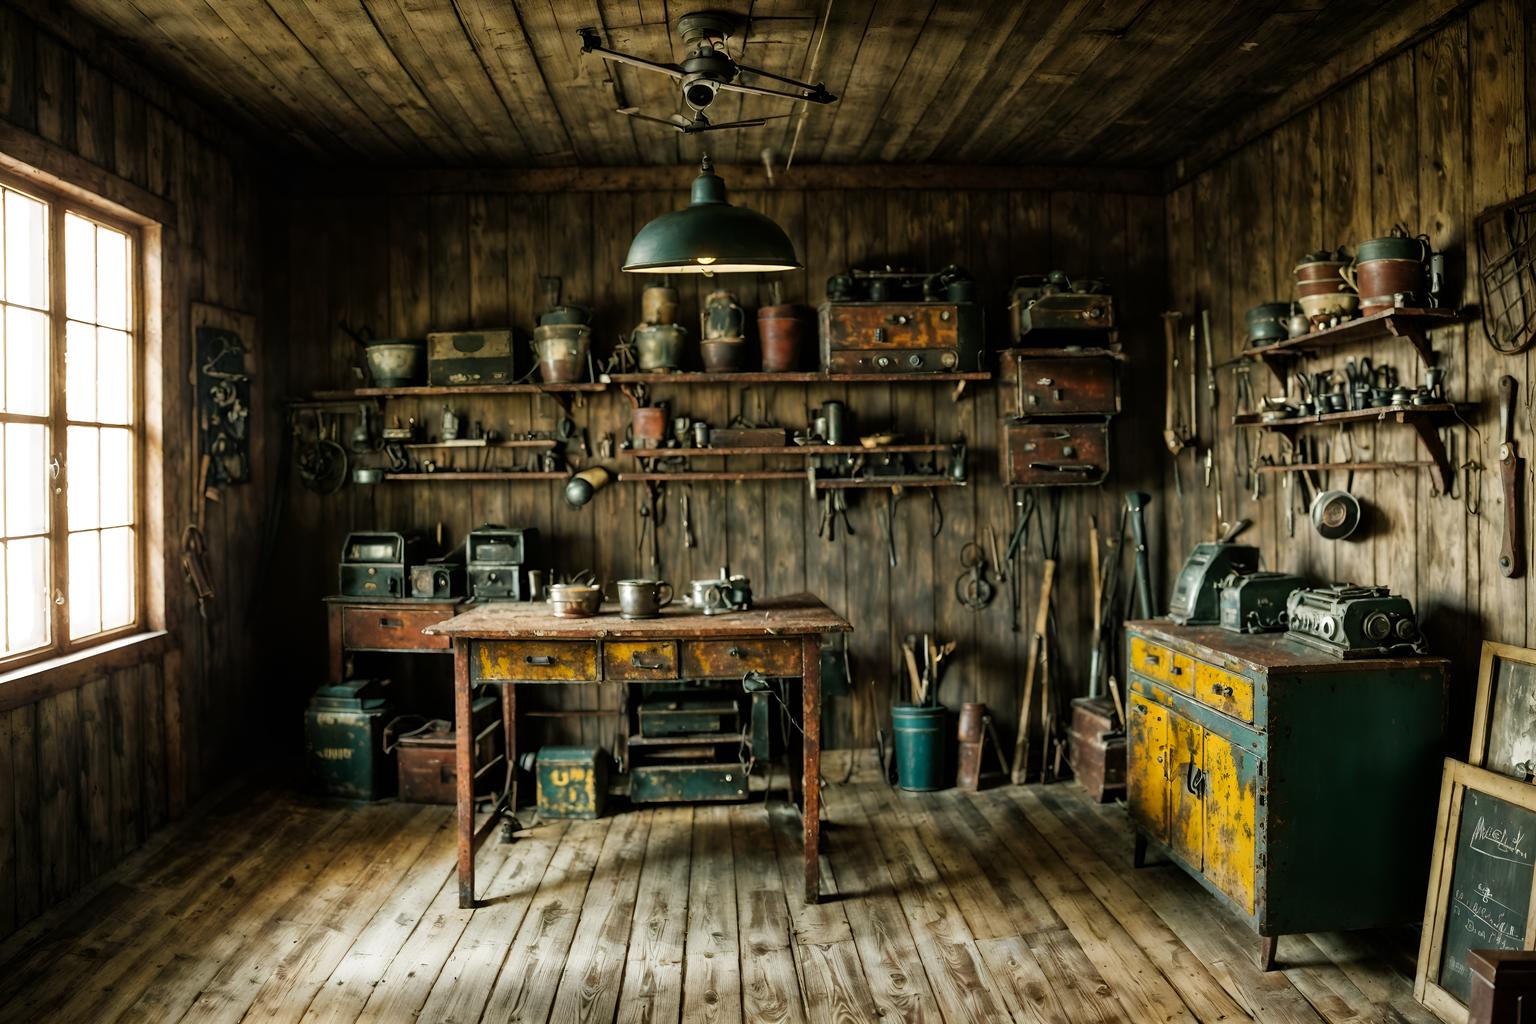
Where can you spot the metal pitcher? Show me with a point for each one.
(723, 317)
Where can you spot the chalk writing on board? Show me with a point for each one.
(1500, 843)
(1491, 882)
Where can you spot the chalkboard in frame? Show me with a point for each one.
(1504, 717)
(1480, 882)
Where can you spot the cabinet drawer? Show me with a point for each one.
(723, 659)
(1151, 660)
(1038, 453)
(390, 629)
(535, 660)
(1225, 691)
(1083, 386)
(1181, 674)
(642, 659)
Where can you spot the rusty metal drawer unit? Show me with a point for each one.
(901, 337)
(1298, 787)
(686, 783)
(535, 661)
(1037, 384)
(391, 628)
(687, 717)
(728, 659)
(639, 660)
(1055, 454)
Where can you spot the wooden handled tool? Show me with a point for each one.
(1511, 469)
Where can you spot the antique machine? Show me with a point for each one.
(1255, 602)
(1251, 759)
(1047, 309)
(343, 739)
(901, 321)
(1196, 592)
(1347, 621)
(438, 577)
(498, 561)
(375, 564)
(470, 357)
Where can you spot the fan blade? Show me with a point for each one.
(635, 113)
(752, 123)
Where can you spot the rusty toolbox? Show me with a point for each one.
(1059, 383)
(344, 739)
(1055, 453)
(572, 782)
(425, 755)
(1299, 788)
(687, 783)
(470, 357)
(681, 717)
(1096, 749)
(901, 337)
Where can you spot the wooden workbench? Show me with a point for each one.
(508, 644)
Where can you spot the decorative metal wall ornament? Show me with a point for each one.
(1506, 254)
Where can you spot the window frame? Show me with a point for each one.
(60, 204)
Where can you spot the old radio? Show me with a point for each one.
(497, 560)
(1350, 621)
(1059, 384)
(1055, 454)
(1042, 304)
(376, 564)
(437, 577)
(1255, 602)
(901, 337)
(1195, 600)
(470, 357)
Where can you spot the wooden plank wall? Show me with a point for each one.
(1427, 137)
(404, 264)
(86, 774)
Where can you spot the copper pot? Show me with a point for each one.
(724, 355)
(1387, 283)
(783, 330)
(561, 350)
(648, 426)
(658, 304)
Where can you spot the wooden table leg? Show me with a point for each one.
(810, 684)
(509, 745)
(464, 768)
(1267, 944)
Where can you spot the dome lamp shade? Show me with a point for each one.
(710, 236)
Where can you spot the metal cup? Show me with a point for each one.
(642, 599)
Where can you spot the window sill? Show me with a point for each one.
(31, 683)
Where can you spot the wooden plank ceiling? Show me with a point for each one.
(1135, 83)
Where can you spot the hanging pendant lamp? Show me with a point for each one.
(710, 236)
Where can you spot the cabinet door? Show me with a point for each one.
(1231, 787)
(1186, 787)
(1147, 764)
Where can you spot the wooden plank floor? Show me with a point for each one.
(1012, 904)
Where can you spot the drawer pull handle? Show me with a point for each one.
(1141, 709)
(1176, 670)
(1153, 659)
(639, 660)
(1195, 780)
(539, 659)
(1221, 691)
(736, 652)
(390, 623)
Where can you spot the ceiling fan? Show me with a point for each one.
(707, 70)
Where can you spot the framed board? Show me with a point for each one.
(1480, 882)
(1504, 718)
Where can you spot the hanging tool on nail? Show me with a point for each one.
(972, 588)
(1175, 432)
(1512, 469)
(892, 497)
(688, 538)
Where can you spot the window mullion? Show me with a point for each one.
(58, 433)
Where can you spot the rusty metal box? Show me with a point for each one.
(1096, 749)
(470, 357)
(682, 717)
(901, 337)
(1035, 384)
(426, 757)
(1055, 454)
(686, 783)
(572, 782)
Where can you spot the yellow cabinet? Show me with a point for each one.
(1147, 776)
(1230, 782)
(1186, 762)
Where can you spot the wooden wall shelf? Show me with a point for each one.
(709, 476)
(874, 482)
(793, 377)
(480, 444)
(808, 450)
(1412, 325)
(444, 476)
(441, 391)
(1423, 418)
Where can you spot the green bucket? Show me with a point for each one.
(919, 734)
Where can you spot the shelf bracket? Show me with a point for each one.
(1434, 447)
(1278, 364)
(1414, 334)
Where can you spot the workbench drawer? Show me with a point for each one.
(1151, 660)
(640, 659)
(1227, 692)
(381, 629)
(724, 659)
(553, 661)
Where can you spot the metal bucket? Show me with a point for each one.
(783, 331)
(918, 730)
(659, 346)
(561, 350)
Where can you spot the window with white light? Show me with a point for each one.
(69, 545)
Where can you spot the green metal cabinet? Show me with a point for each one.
(1299, 788)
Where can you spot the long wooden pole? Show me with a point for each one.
(1042, 619)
